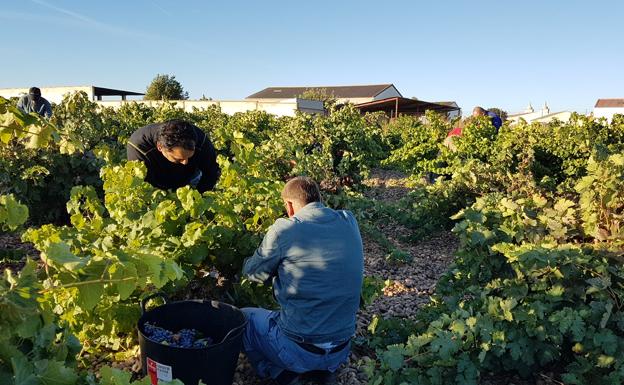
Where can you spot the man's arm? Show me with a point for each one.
(134, 153)
(47, 109)
(262, 266)
(209, 167)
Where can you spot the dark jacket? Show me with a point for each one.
(166, 175)
(497, 122)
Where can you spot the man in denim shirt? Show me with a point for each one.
(315, 261)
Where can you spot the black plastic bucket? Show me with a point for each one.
(214, 364)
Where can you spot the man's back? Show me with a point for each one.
(319, 275)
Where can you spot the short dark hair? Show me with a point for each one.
(480, 110)
(34, 91)
(177, 133)
(301, 189)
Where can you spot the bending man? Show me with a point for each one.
(176, 153)
(497, 122)
(315, 260)
(34, 102)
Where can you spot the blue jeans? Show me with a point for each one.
(270, 352)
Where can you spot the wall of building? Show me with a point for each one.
(607, 112)
(563, 116)
(286, 107)
(52, 94)
(389, 92)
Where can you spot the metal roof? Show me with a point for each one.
(101, 91)
(364, 91)
(405, 106)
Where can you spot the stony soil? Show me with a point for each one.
(13, 252)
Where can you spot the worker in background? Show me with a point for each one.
(176, 153)
(496, 120)
(34, 102)
(456, 132)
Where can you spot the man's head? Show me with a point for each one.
(478, 111)
(34, 93)
(298, 192)
(176, 141)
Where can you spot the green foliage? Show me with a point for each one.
(12, 213)
(320, 94)
(534, 284)
(601, 196)
(165, 87)
(372, 287)
(31, 129)
(419, 143)
(141, 238)
(33, 348)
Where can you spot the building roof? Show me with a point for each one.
(405, 106)
(610, 103)
(448, 103)
(366, 91)
(101, 91)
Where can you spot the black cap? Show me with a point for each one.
(34, 91)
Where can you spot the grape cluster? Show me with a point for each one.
(185, 338)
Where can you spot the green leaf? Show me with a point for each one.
(127, 274)
(112, 376)
(507, 305)
(394, 357)
(606, 315)
(23, 371)
(445, 345)
(12, 213)
(59, 254)
(90, 295)
(55, 373)
(605, 361)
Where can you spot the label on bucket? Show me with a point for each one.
(157, 371)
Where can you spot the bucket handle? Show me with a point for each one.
(159, 294)
(232, 331)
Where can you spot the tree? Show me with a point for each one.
(165, 87)
(500, 112)
(321, 94)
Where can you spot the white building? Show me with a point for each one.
(55, 94)
(453, 114)
(343, 94)
(282, 107)
(542, 116)
(285, 107)
(606, 108)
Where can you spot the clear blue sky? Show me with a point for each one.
(490, 53)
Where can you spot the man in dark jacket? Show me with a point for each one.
(176, 153)
(33, 102)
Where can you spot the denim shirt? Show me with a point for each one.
(316, 262)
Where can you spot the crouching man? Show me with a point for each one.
(315, 260)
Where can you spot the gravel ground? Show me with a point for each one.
(13, 252)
